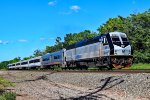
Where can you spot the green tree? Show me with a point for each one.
(76, 37)
(3, 64)
(38, 53)
(26, 58)
(137, 27)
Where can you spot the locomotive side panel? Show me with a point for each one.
(70, 55)
(88, 51)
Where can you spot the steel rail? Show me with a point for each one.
(91, 71)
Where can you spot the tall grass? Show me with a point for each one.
(140, 66)
(3, 94)
(8, 96)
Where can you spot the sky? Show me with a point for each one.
(28, 25)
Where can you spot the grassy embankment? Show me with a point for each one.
(4, 95)
(140, 66)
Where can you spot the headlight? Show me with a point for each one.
(129, 52)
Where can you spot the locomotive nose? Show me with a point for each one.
(122, 52)
(119, 51)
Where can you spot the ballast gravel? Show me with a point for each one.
(134, 85)
(33, 85)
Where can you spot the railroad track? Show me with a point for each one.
(91, 71)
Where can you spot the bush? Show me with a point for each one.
(2, 98)
(8, 96)
(4, 83)
(140, 66)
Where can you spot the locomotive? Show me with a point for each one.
(111, 50)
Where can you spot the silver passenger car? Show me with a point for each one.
(24, 64)
(34, 62)
(55, 59)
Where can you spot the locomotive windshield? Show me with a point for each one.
(125, 41)
(116, 40)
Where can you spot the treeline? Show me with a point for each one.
(136, 26)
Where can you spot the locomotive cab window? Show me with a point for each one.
(105, 42)
(125, 41)
(116, 40)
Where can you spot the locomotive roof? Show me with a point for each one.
(85, 42)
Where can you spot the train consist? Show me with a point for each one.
(111, 50)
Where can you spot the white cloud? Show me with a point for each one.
(52, 3)
(75, 8)
(22, 40)
(3, 42)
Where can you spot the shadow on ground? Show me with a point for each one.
(42, 77)
(108, 83)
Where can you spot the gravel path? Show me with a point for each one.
(79, 86)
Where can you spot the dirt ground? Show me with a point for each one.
(31, 85)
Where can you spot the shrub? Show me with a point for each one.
(8, 96)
